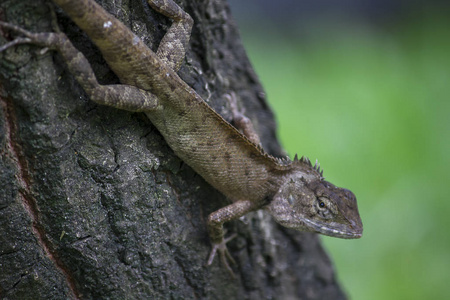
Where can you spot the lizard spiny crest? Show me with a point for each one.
(316, 166)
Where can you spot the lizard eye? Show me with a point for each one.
(322, 203)
(324, 208)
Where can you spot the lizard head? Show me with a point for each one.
(309, 203)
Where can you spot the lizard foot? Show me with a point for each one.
(46, 39)
(17, 41)
(224, 254)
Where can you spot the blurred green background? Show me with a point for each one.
(369, 96)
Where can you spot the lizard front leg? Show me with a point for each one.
(241, 121)
(216, 232)
(120, 96)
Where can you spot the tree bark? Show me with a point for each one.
(95, 205)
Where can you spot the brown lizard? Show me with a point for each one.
(293, 192)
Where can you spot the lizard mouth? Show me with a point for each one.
(334, 231)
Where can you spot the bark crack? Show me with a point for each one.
(15, 152)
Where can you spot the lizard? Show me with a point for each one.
(294, 192)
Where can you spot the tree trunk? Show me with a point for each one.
(94, 204)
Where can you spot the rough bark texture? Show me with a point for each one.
(93, 203)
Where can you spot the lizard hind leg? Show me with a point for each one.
(172, 47)
(120, 96)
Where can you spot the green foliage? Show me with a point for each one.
(374, 107)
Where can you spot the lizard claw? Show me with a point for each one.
(224, 254)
